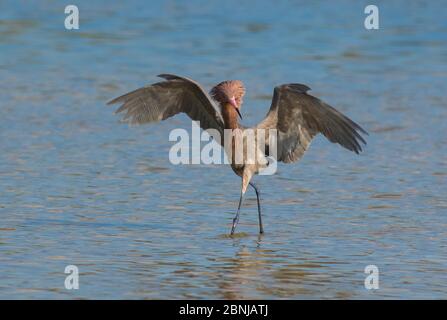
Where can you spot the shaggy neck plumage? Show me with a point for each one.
(230, 116)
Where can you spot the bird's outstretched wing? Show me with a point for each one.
(298, 117)
(165, 99)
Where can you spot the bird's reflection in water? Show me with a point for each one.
(260, 271)
(243, 271)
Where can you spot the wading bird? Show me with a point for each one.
(296, 116)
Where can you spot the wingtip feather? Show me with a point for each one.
(168, 76)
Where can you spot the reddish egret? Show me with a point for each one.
(296, 116)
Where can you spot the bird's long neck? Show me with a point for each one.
(230, 117)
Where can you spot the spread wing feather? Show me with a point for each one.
(298, 117)
(165, 99)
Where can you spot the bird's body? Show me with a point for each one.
(294, 119)
(243, 163)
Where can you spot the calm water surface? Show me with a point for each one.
(78, 187)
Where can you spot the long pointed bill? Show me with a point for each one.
(238, 112)
(234, 104)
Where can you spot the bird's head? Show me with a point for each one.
(230, 93)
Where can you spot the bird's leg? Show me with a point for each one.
(246, 176)
(236, 217)
(261, 228)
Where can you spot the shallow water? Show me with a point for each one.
(78, 187)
